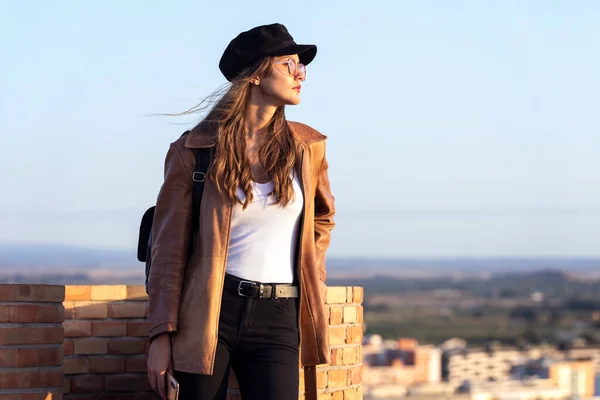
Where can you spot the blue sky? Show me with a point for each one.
(464, 128)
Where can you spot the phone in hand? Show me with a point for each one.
(172, 387)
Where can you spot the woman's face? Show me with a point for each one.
(283, 85)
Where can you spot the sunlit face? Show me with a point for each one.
(283, 85)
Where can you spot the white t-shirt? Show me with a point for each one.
(264, 236)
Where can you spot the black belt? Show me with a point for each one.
(258, 290)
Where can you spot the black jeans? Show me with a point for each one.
(259, 339)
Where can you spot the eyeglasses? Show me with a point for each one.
(293, 68)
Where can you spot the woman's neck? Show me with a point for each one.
(258, 115)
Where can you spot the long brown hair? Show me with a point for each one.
(230, 167)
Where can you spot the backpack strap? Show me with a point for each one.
(199, 176)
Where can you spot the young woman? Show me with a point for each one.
(250, 293)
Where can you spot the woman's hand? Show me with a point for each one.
(159, 362)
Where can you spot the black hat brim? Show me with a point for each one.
(306, 52)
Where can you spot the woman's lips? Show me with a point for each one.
(297, 88)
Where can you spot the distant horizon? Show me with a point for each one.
(380, 233)
(74, 247)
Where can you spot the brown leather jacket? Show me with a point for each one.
(185, 298)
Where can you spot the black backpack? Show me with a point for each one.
(144, 252)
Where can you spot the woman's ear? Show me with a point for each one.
(256, 81)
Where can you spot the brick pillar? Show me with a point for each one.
(31, 336)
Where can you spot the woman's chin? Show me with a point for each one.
(294, 100)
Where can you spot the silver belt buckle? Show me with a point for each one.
(260, 288)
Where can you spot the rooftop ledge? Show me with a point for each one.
(91, 342)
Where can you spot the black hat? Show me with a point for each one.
(259, 42)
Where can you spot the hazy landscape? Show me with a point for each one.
(66, 264)
(509, 300)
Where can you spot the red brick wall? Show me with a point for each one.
(31, 335)
(106, 344)
(103, 332)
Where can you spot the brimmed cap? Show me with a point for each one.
(262, 41)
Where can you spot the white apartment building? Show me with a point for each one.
(479, 365)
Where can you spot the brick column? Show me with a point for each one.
(31, 336)
(342, 379)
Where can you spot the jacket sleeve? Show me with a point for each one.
(324, 212)
(171, 230)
